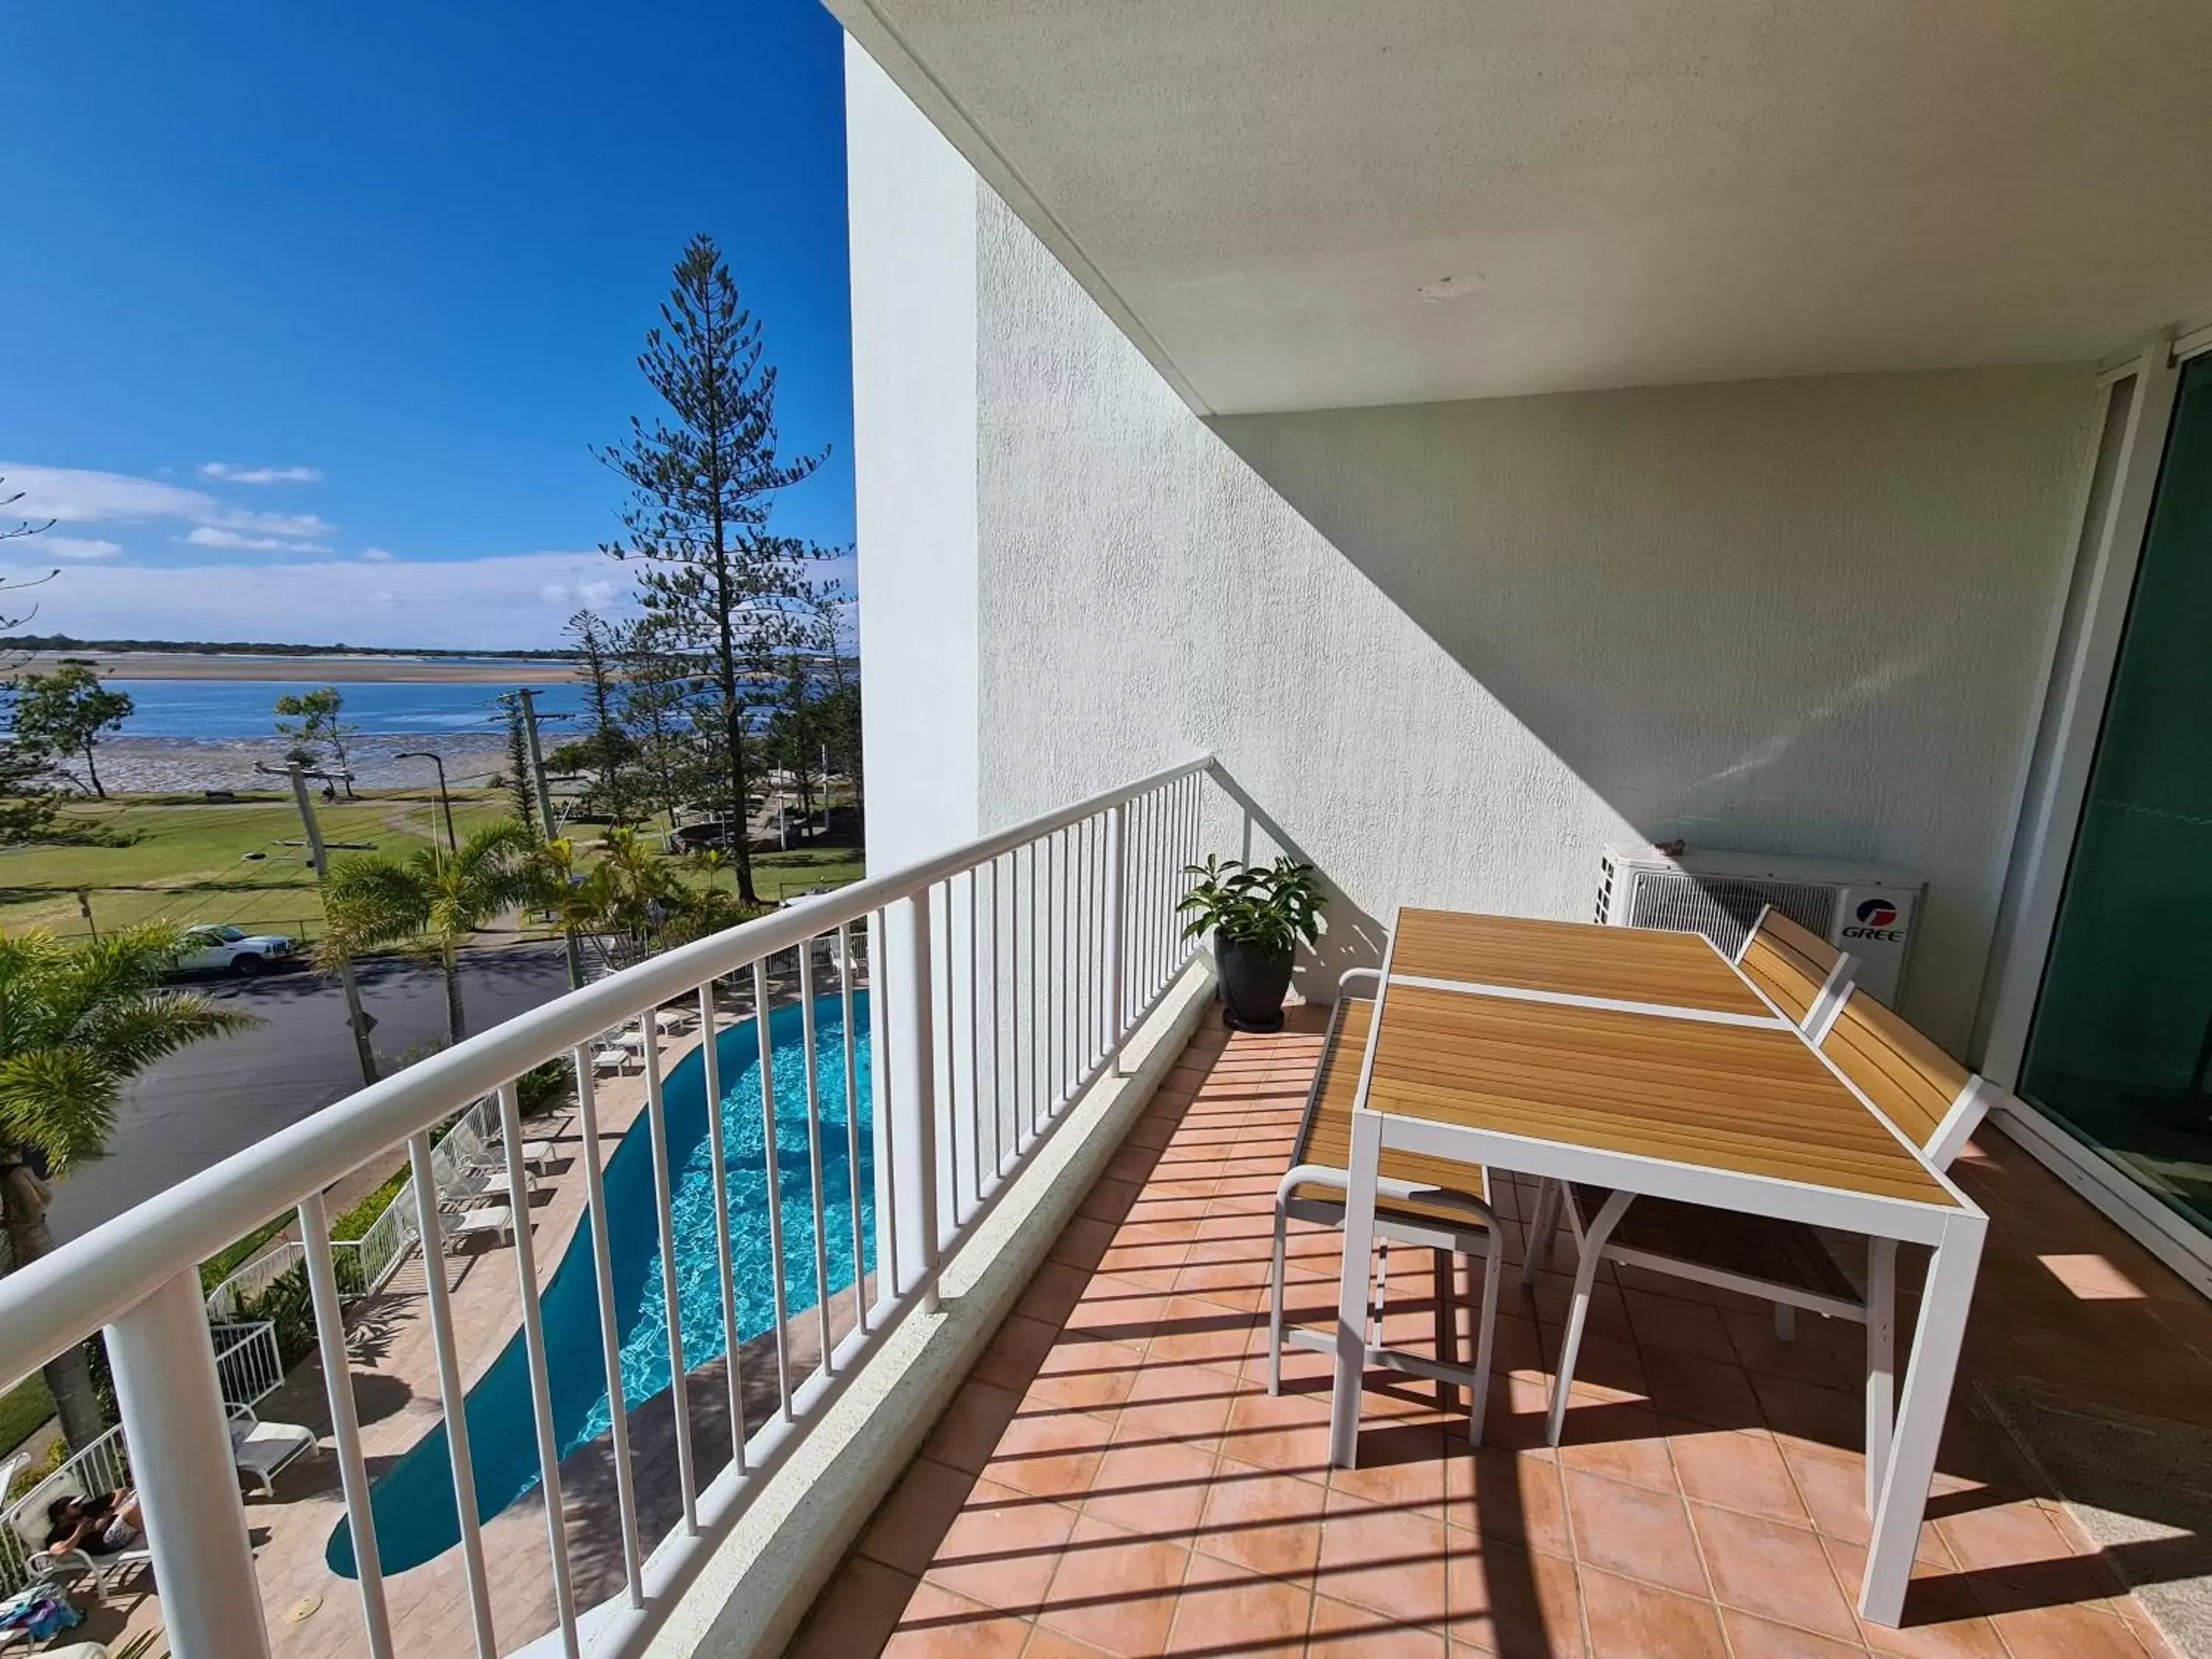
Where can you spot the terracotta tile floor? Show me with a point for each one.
(1115, 1478)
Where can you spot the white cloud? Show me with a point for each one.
(377, 554)
(76, 495)
(599, 595)
(73, 547)
(261, 475)
(494, 604)
(208, 536)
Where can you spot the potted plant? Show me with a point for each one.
(1257, 915)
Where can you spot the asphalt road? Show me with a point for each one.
(198, 1107)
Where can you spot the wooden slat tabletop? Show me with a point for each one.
(1326, 1137)
(1622, 964)
(1748, 1099)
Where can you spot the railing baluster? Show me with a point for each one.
(726, 1264)
(882, 1092)
(1117, 906)
(672, 1297)
(345, 1422)
(181, 1455)
(769, 1151)
(852, 1125)
(814, 1155)
(975, 1029)
(948, 1090)
(452, 1398)
(1040, 947)
(533, 1347)
(1018, 1069)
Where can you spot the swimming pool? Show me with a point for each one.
(416, 1518)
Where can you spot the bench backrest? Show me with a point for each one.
(1802, 974)
(1934, 1099)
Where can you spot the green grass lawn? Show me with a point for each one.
(188, 861)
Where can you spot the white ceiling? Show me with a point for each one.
(1635, 191)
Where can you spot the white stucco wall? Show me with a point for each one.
(1452, 650)
(912, 203)
(1456, 648)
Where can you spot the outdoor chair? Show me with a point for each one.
(1799, 972)
(493, 1218)
(608, 1058)
(535, 1154)
(261, 1449)
(1928, 1097)
(28, 1518)
(1423, 1202)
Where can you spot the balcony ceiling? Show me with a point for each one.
(1305, 204)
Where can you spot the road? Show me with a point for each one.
(197, 1108)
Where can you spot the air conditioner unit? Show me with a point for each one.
(1867, 909)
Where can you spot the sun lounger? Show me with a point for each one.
(28, 1518)
(493, 1218)
(261, 1449)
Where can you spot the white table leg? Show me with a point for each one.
(1880, 1361)
(1352, 1289)
(1927, 1399)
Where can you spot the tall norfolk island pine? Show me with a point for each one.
(702, 477)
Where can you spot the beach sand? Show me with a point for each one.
(180, 765)
(326, 670)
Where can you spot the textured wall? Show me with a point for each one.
(913, 218)
(1456, 648)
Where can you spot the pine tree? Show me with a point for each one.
(605, 746)
(702, 478)
(659, 687)
(522, 792)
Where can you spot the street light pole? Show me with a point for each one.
(445, 801)
(356, 1016)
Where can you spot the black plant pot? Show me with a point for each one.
(1254, 982)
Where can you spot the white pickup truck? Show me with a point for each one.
(219, 948)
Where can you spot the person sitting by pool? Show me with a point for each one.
(98, 1525)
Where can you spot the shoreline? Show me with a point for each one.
(168, 766)
(312, 671)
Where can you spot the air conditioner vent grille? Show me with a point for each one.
(1724, 908)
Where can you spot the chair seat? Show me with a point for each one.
(1325, 1137)
(1783, 1253)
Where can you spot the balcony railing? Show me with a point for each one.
(1010, 971)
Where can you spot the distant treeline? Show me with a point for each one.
(263, 648)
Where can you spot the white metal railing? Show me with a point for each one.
(248, 1366)
(365, 1264)
(1005, 976)
(253, 1280)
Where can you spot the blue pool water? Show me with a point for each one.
(416, 1515)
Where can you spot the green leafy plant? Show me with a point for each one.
(1272, 906)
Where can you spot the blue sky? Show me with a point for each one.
(310, 315)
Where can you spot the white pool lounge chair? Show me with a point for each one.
(611, 1058)
(261, 1449)
(28, 1518)
(493, 1218)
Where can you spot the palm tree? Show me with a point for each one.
(442, 897)
(75, 1024)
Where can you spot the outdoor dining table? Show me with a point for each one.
(1642, 1061)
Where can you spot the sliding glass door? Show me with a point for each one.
(2122, 1037)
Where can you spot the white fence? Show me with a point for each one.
(1004, 975)
(247, 1363)
(366, 1264)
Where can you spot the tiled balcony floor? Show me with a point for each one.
(1114, 1478)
